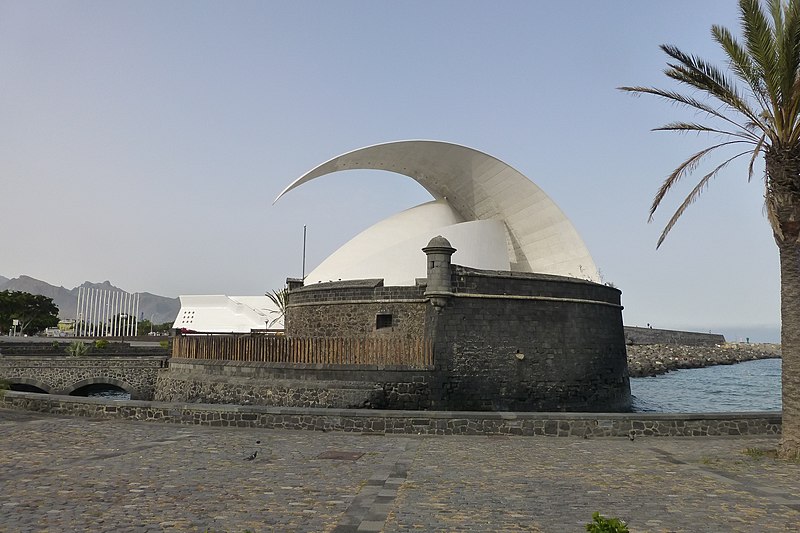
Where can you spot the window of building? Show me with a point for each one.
(383, 320)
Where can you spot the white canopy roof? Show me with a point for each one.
(217, 313)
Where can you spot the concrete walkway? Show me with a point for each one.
(75, 474)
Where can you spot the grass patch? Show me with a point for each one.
(757, 453)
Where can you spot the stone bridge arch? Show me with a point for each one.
(136, 375)
(104, 380)
(21, 380)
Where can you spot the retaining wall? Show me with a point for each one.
(635, 335)
(294, 384)
(406, 422)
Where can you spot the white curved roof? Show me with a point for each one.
(469, 186)
(217, 313)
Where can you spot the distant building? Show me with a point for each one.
(218, 313)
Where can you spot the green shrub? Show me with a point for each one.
(601, 524)
(77, 349)
(164, 344)
(4, 386)
(101, 344)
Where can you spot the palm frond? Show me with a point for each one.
(776, 12)
(760, 41)
(687, 167)
(705, 77)
(280, 299)
(788, 35)
(756, 151)
(688, 101)
(793, 136)
(700, 128)
(741, 63)
(694, 194)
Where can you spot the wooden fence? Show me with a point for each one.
(328, 351)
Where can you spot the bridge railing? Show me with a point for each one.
(416, 353)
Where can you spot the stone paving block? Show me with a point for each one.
(76, 474)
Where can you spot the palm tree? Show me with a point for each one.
(753, 109)
(279, 298)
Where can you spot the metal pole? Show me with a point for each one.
(136, 321)
(86, 306)
(304, 251)
(78, 311)
(114, 314)
(127, 314)
(89, 308)
(104, 314)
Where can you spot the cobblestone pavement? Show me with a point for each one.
(76, 474)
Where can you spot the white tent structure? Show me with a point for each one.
(217, 313)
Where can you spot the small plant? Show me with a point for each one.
(164, 344)
(77, 349)
(101, 344)
(754, 453)
(4, 386)
(279, 298)
(601, 524)
(54, 344)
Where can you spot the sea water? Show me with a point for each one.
(750, 386)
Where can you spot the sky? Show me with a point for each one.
(144, 142)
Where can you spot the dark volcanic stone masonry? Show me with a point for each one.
(503, 341)
(409, 422)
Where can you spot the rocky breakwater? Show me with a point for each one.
(653, 359)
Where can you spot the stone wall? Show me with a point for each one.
(635, 335)
(298, 385)
(351, 309)
(503, 341)
(33, 346)
(63, 375)
(530, 342)
(582, 425)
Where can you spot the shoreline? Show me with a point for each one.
(647, 360)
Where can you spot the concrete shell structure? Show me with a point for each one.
(500, 218)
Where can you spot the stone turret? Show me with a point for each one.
(439, 253)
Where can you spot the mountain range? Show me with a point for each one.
(160, 308)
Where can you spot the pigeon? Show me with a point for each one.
(251, 456)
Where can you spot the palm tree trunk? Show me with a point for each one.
(783, 208)
(790, 347)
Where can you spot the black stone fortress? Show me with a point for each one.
(525, 326)
(502, 341)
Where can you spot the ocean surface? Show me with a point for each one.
(750, 386)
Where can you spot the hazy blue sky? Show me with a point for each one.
(143, 142)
